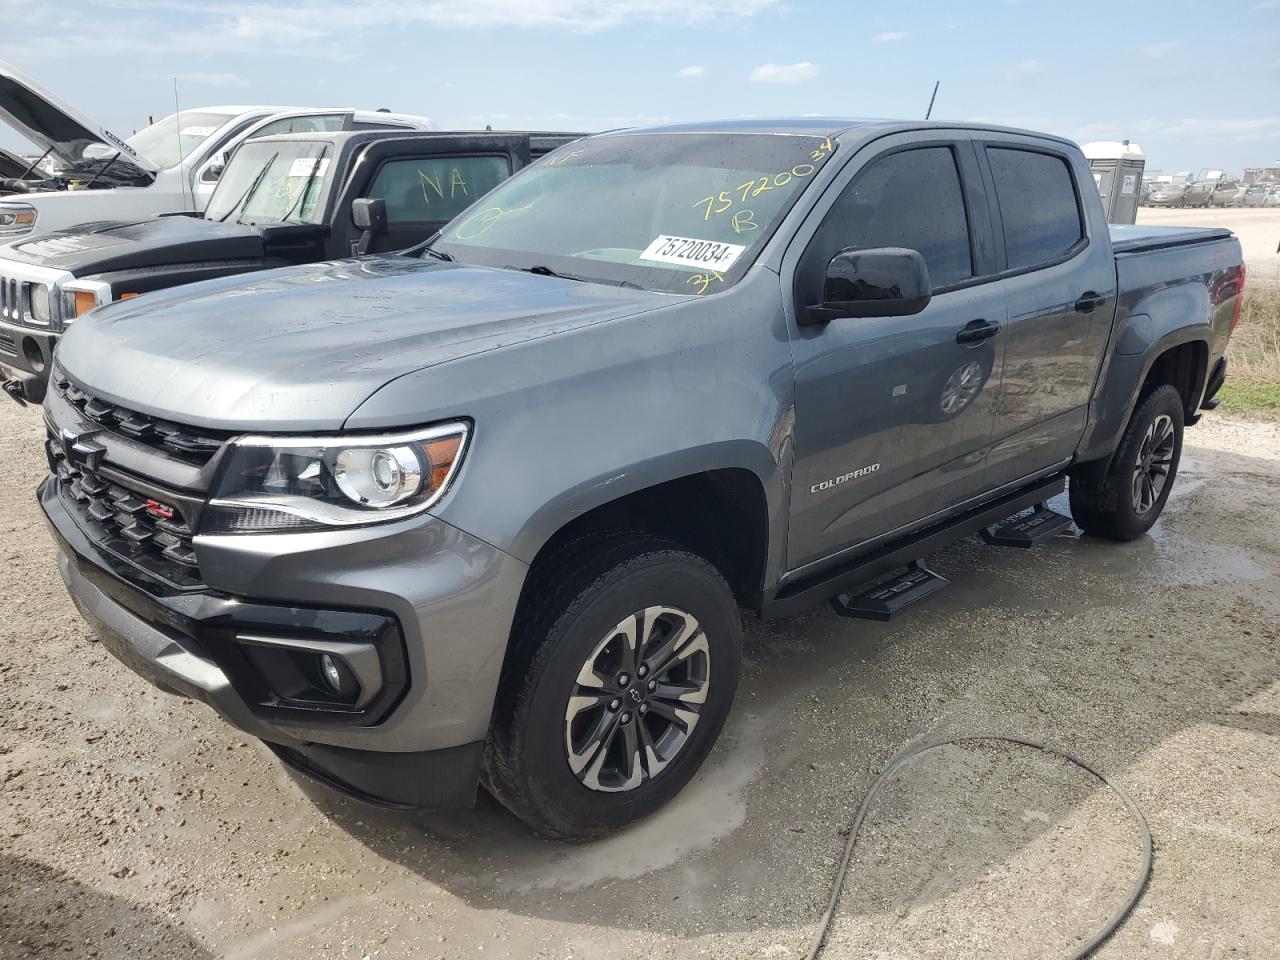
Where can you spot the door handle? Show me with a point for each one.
(977, 330)
(1089, 301)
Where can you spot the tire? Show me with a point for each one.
(567, 627)
(1115, 504)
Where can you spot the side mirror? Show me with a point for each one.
(213, 172)
(369, 216)
(882, 282)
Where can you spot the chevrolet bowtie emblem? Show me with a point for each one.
(80, 450)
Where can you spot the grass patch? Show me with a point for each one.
(1254, 351)
(1243, 399)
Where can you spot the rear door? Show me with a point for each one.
(427, 181)
(1060, 280)
(894, 414)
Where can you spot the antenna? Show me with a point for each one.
(933, 96)
(177, 132)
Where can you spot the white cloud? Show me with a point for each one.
(1158, 51)
(785, 72)
(323, 28)
(1025, 70)
(213, 79)
(891, 36)
(691, 72)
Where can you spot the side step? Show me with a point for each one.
(886, 599)
(1026, 531)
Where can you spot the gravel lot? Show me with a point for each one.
(1257, 227)
(135, 824)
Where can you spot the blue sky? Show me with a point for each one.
(1195, 84)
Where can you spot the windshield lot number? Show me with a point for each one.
(689, 251)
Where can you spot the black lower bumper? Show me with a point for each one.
(25, 359)
(191, 643)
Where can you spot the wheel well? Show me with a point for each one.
(1183, 367)
(720, 515)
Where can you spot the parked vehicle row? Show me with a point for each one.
(171, 166)
(281, 199)
(1212, 193)
(489, 509)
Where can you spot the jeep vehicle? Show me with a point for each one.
(170, 166)
(490, 511)
(285, 199)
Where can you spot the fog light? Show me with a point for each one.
(339, 677)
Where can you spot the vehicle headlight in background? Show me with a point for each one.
(40, 302)
(17, 219)
(276, 484)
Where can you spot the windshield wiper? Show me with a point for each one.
(306, 187)
(548, 272)
(244, 198)
(425, 247)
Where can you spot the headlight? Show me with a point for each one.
(41, 307)
(272, 484)
(17, 219)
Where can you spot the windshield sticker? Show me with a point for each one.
(201, 132)
(691, 252)
(306, 166)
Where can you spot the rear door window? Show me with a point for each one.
(436, 188)
(1038, 204)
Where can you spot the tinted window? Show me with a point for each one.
(436, 188)
(910, 199)
(1038, 205)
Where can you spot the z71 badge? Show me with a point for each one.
(845, 478)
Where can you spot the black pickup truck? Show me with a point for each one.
(283, 200)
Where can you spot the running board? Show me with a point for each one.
(795, 596)
(887, 598)
(1026, 531)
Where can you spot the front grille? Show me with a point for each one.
(7, 344)
(127, 522)
(185, 443)
(11, 306)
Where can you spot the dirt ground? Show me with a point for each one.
(1257, 227)
(135, 824)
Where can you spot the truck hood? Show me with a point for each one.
(53, 125)
(100, 247)
(302, 347)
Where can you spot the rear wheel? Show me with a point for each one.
(622, 675)
(1124, 501)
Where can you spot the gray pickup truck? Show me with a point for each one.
(489, 512)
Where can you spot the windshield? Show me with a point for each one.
(684, 213)
(167, 142)
(273, 181)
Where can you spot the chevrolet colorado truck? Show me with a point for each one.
(284, 199)
(490, 512)
(87, 173)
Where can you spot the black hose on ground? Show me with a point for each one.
(1105, 931)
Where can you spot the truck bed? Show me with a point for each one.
(1135, 239)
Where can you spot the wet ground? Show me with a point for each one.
(135, 824)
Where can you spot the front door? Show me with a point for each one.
(894, 414)
(433, 180)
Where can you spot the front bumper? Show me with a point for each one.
(443, 600)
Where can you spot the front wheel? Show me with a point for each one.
(623, 671)
(1124, 501)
